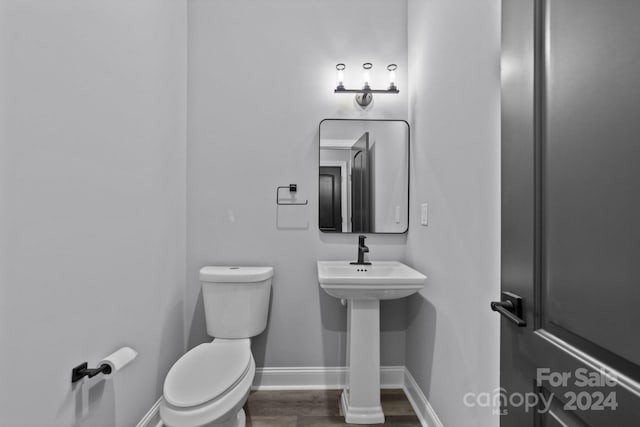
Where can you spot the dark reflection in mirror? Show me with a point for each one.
(364, 176)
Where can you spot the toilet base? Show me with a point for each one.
(240, 420)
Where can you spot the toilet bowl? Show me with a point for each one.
(209, 384)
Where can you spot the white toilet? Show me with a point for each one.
(209, 385)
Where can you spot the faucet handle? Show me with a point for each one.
(361, 239)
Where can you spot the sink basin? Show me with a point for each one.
(364, 286)
(380, 280)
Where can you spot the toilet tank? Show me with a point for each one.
(236, 300)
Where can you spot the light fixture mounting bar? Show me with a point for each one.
(366, 91)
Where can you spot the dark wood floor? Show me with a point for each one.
(319, 408)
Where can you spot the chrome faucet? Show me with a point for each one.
(362, 249)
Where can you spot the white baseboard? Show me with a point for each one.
(320, 378)
(419, 402)
(152, 418)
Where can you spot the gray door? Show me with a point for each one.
(330, 196)
(570, 213)
(361, 186)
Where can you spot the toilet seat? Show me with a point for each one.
(207, 372)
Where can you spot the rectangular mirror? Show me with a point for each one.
(364, 176)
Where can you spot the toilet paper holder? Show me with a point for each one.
(82, 370)
(108, 366)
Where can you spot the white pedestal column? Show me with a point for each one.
(360, 401)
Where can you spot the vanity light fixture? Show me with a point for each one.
(364, 96)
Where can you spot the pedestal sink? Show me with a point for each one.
(363, 286)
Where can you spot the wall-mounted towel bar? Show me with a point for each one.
(292, 189)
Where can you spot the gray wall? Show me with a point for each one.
(453, 337)
(92, 188)
(92, 193)
(390, 163)
(261, 78)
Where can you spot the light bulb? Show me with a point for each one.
(340, 76)
(392, 76)
(366, 77)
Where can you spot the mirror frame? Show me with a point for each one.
(406, 230)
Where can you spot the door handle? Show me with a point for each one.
(510, 306)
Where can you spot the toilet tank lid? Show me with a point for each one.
(234, 274)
